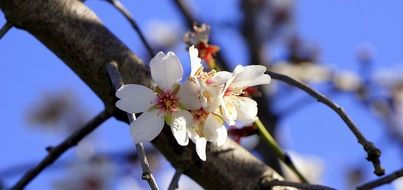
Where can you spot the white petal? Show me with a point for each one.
(250, 75)
(229, 110)
(212, 96)
(166, 70)
(135, 98)
(222, 135)
(221, 77)
(246, 109)
(181, 121)
(195, 61)
(213, 130)
(146, 127)
(201, 148)
(189, 95)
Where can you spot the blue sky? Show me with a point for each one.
(337, 27)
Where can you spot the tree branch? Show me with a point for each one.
(56, 152)
(75, 34)
(269, 184)
(5, 28)
(381, 181)
(373, 153)
(116, 79)
(175, 180)
(121, 8)
(118, 156)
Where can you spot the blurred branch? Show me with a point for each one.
(373, 153)
(381, 181)
(121, 8)
(269, 184)
(116, 79)
(5, 28)
(186, 13)
(116, 155)
(175, 180)
(55, 152)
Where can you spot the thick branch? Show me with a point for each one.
(77, 36)
(270, 184)
(382, 181)
(56, 152)
(373, 153)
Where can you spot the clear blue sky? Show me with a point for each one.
(337, 27)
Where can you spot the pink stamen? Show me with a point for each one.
(228, 91)
(167, 102)
(209, 81)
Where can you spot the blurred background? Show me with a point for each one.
(349, 50)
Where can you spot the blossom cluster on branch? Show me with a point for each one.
(198, 108)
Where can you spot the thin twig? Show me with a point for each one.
(121, 8)
(373, 153)
(175, 180)
(300, 104)
(116, 79)
(381, 181)
(56, 152)
(269, 184)
(5, 28)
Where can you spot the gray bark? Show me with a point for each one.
(77, 36)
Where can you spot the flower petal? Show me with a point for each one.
(195, 61)
(182, 120)
(189, 95)
(212, 97)
(214, 130)
(135, 98)
(228, 109)
(221, 77)
(222, 135)
(250, 75)
(146, 127)
(201, 148)
(166, 70)
(246, 110)
(200, 143)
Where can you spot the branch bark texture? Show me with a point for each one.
(76, 35)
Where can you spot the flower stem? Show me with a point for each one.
(277, 150)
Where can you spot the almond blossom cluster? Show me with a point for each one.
(197, 108)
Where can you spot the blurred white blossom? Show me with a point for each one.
(162, 34)
(97, 174)
(306, 72)
(347, 80)
(398, 184)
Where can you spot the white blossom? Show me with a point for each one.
(159, 105)
(233, 105)
(198, 108)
